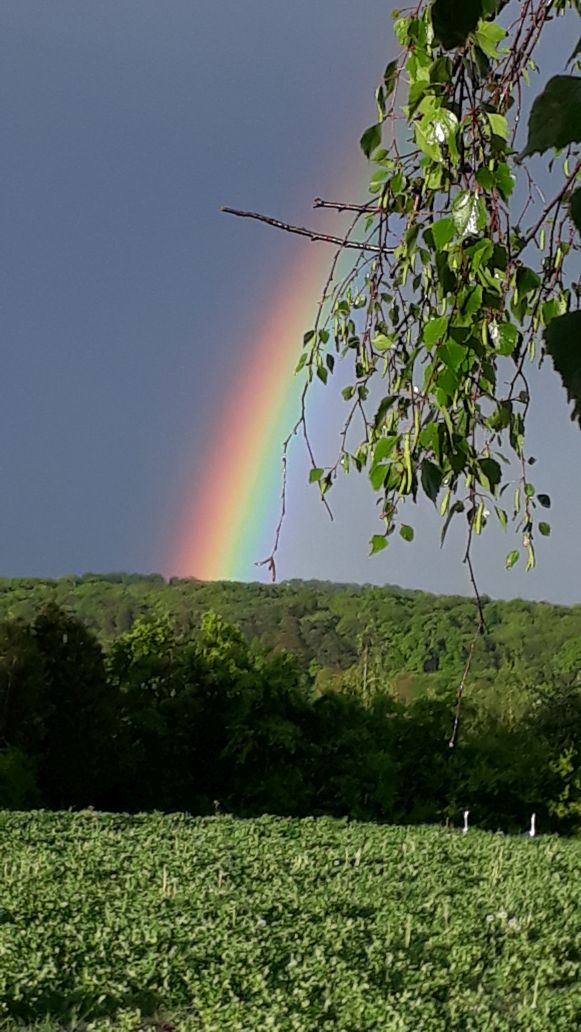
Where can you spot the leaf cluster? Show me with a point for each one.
(462, 288)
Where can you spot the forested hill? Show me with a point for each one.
(413, 640)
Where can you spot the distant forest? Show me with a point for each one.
(127, 692)
(409, 643)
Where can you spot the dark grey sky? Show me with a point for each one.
(128, 301)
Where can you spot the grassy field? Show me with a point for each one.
(223, 925)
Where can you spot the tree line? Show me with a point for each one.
(212, 722)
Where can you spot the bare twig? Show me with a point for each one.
(480, 629)
(549, 207)
(270, 561)
(364, 209)
(460, 692)
(312, 234)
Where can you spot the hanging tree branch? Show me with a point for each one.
(436, 331)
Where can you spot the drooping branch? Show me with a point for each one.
(311, 234)
(461, 689)
(428, 327)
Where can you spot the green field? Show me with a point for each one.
(221, 924)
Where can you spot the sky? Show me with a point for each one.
(131, 306)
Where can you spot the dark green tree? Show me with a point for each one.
(77, 754)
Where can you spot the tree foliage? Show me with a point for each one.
(206, 720)
(464, 270)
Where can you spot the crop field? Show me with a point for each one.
(216, 925)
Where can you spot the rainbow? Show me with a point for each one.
(229, 524)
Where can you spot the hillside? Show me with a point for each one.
(412, 640)
(173, 710)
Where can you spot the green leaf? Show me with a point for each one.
(446, 277)
(555, 118)
(431, 479)
(480, 253)
(502, 517)
(384, 447)
(447, 384)
(544, 529)
(429, 148)
(406, 532)
(452, 356)
(378, 543)
(439, 126)
(488, 36)
(371, 140)
(473, 301)
(390, 78)
(507, 338)
(563, 341)
(442, 232)
(498, 125)
(504, 180)
(400, 28)
(435, 330)
(512, 558)
(485, 178)
(575, 208)
(441, 70)
(489, 473)
(454, 20)
(378, 178)
(383, 408)
(381, 342)
(429, 437)
(544, 500)
(500, 418)
(456, 508)
(315, 475)
(416, 94)
(467, 214)
(526, 282)
(377, 475)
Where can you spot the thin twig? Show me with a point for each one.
(364, 209)
(480, 629)
(460, 692)
(270, 561)
(312, 234)
(556, 200)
